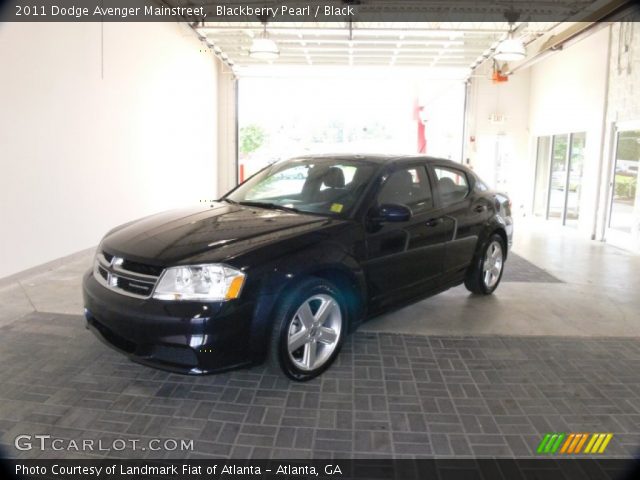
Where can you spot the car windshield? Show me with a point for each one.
(321, 186)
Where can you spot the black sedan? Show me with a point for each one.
(293, 259)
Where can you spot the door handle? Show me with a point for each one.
(480, 208)
(434, 222)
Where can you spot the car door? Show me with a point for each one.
(464, 210)
(404, 259)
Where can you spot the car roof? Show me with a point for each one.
(381, 159)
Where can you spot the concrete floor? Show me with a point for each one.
(598, 295)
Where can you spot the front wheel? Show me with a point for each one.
(484, 276)
(308, 330)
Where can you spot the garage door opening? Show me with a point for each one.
(279, 118)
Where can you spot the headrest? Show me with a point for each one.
(447, 185)
(334, 178)
(400, 181)
(397, 188)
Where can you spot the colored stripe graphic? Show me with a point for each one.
(567, 443)
(581, 443)
(550, 444)
(605, 442)
(573, 443)
(556, 445)
(590, 444)
(543, 443)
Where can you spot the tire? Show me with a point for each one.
(479, 280)
(305, 341)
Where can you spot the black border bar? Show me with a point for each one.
(199, 12)
(440, 469)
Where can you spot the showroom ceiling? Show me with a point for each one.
(434, 44)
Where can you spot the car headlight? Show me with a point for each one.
(200, 282)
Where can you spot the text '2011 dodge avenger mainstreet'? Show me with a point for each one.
(284, 266)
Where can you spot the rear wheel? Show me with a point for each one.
(308, 330)
(484, 276)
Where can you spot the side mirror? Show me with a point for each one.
(393, 212)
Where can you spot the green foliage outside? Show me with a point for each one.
(626, 187)
(252, 137)
(629, 146)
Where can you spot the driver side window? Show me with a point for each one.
(408, 186)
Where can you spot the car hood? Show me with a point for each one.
(220, 229)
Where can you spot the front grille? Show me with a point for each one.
(103, 272)
(126, 277)
(135, 286)
(142, 268)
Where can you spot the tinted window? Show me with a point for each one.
(452, 184)
(407, 186)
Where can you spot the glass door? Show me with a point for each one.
(574, 180)
(558, 187)
(624, 216)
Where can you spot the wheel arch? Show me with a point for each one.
(503, 234)
(349, 282)
(350, 287)
(496, 225)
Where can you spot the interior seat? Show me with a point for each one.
(397, 188)
(333, 180)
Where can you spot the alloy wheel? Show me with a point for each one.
(492, 265)
(314, 332)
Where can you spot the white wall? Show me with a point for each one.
(500, 150)
(568, 93)
(88, 142)
(563, 93)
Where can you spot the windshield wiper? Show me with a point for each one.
(228, 200)
(269, 205)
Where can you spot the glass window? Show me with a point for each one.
(543, 160)
(558, 176)
(576, 166)
(323, 186)
(284, 183)
(408, 186)
(452, 185)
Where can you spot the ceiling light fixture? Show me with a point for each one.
(510, 49)
(263, 48)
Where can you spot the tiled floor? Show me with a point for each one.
(387, 395)
(556, 349)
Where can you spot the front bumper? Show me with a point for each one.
(182, 337)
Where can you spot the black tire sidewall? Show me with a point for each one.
(286, 312)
